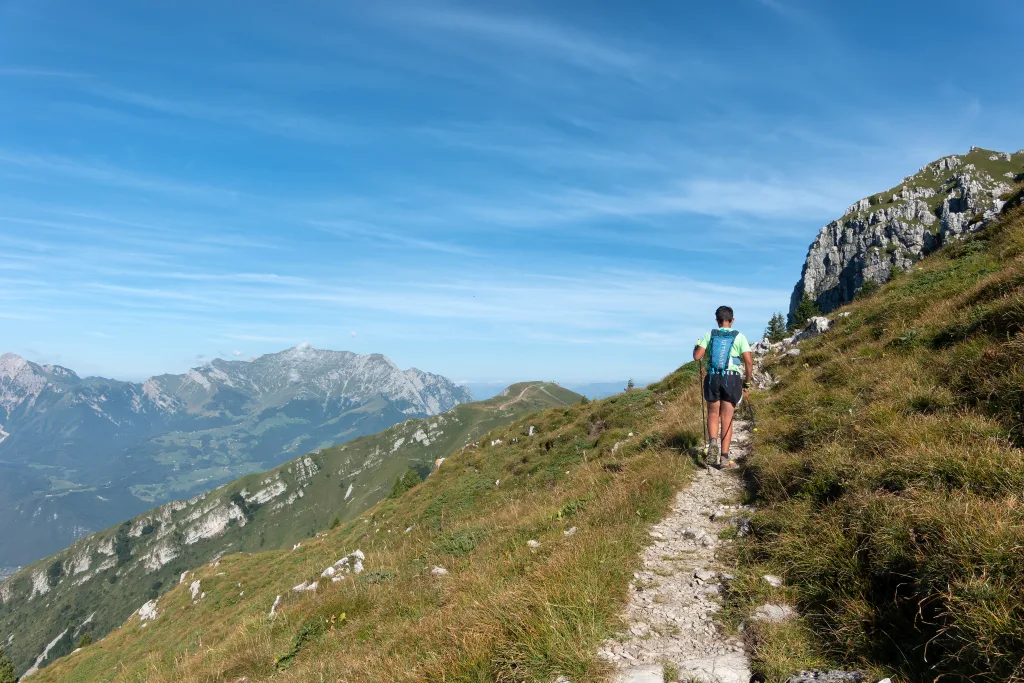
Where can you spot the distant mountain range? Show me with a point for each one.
(98, 581)
(80, 454)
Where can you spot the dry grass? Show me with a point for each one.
(890, 477)
(505, 612)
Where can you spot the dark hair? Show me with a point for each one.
(723, 314)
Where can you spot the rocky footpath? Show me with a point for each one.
(890, 231)
(670, 630)
(671, 633)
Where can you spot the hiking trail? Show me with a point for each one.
(670, 630)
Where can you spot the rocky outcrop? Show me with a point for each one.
(817, 325)
(892, 230)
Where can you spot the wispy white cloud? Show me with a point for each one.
(528, 34)
(109, 175)
(794, 14)
(22, 316)
(373, 233)
(36, 72)
(288, 124)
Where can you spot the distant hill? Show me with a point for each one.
(79, 454)
(592, 390)
(597, 390)
(97, 582)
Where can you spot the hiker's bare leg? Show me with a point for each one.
(727, 410)
(713, 418)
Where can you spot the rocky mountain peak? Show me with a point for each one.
(60, 372)
(20, 379)
(12, 365)
(945, 200)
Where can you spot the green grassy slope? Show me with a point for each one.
(505, 611)
(96, 583)
(890, 477)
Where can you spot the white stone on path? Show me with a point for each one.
(650, 673)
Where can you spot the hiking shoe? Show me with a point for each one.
(715, 453)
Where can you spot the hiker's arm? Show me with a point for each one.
(748, 362)
(698, 352)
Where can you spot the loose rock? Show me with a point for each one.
(774, 613)
(828, 677)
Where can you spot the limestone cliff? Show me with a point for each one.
(945, 200)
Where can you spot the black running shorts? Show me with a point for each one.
(727, 387)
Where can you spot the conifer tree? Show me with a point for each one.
(776, 330)
(405, 482)
(7, 669)
(805, 310)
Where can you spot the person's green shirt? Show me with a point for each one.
(740, 345)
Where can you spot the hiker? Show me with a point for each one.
(724, 386)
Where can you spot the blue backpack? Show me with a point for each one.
(719, 350)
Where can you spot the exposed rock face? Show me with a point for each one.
(892, 230)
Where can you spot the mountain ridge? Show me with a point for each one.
(92, 451)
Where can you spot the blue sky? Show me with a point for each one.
(493, 191)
